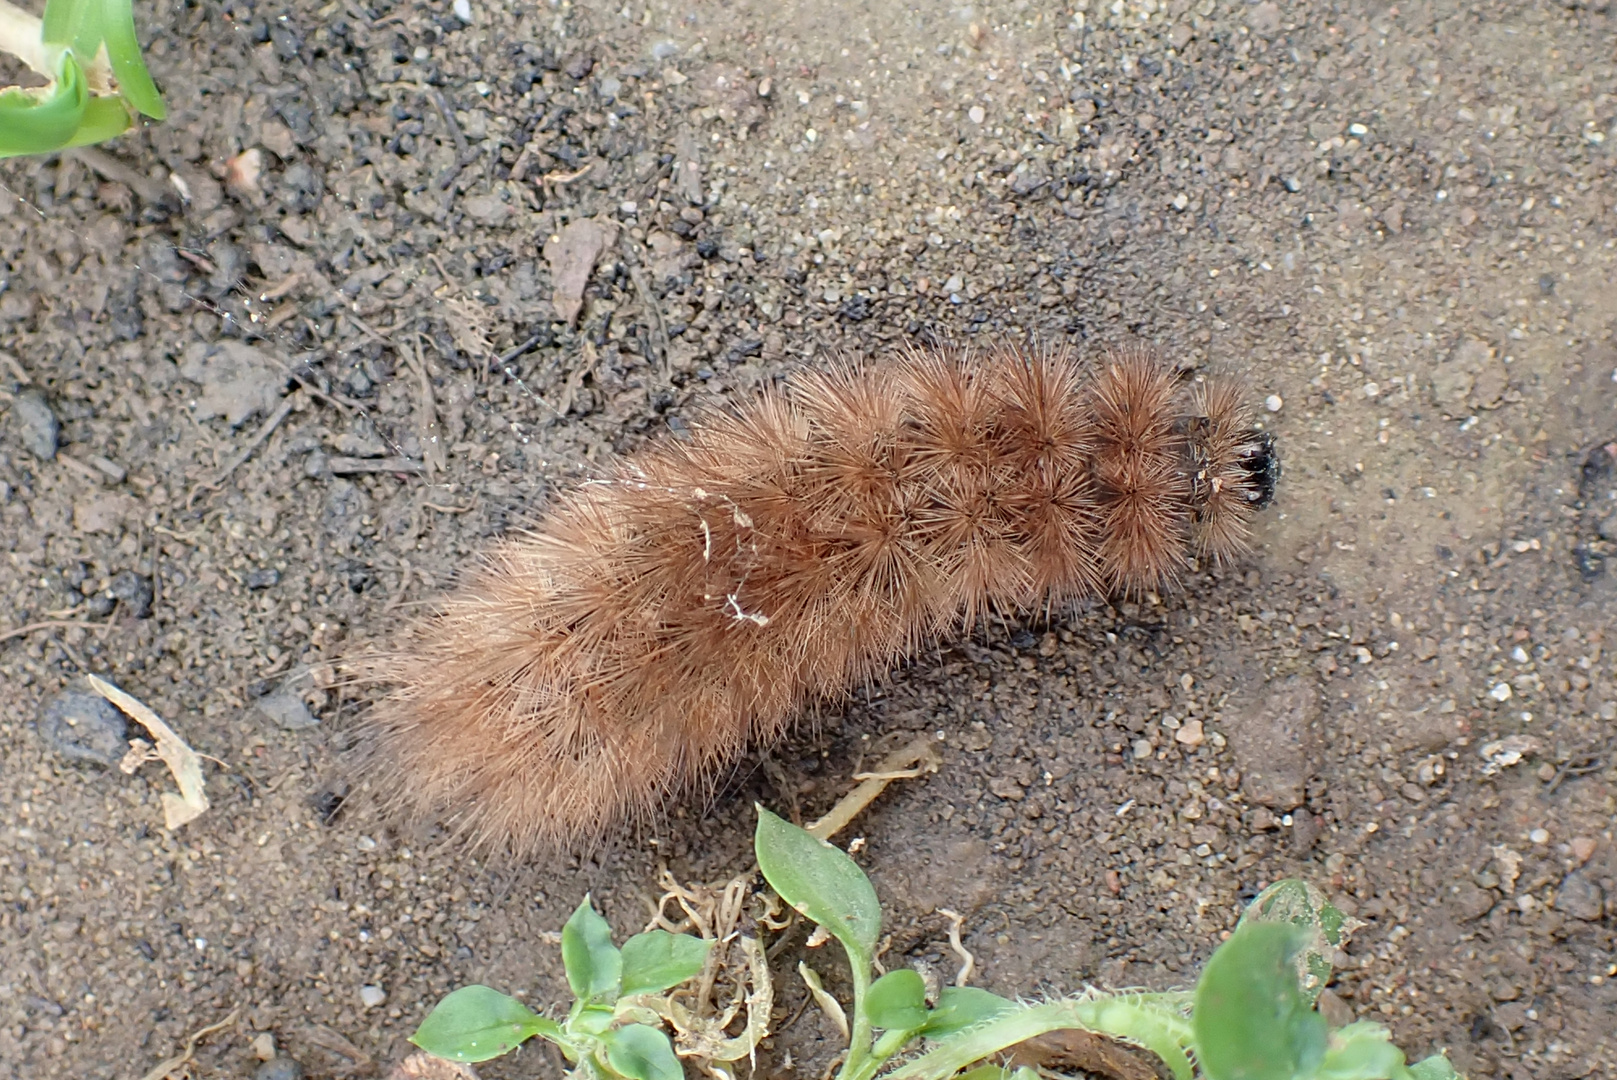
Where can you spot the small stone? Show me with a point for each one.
(372, 996)
(264, 578)
(287, 710)
(1142, 749)
(1505, 991)
(1473, 902)
(976, 114)
(134, 593)
(1190, 734)
(1580, 897)
(1264, 19)
(237, 380)
(264, 1046)
(1501, 692)
(1007, 788)
(114, 472)
(1304, 832)
(462, 10)
(1337, 1013)
(36, 424)
(83, 726)
(279, 1068)
(1273, 403)
(1583, 848)
(1539, 836)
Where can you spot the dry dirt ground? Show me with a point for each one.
(1401, 221)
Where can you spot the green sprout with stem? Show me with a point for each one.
(1251, 1016)
(96, 82)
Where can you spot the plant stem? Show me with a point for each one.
(1146, 1020)
(854, 1068)
(22, 35)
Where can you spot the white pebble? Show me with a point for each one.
(1539, 836)
(1500, 692)
(977, 114)
(1371, 389)
(1142, 749)
(1358, 131)
(463, 10)
(372, 996)
(1273, 402)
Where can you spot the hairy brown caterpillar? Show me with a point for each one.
(702, 595)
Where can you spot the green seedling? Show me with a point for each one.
(1251, 1015)
(96, 81)
(611, 1030)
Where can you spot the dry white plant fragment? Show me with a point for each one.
(181, 760)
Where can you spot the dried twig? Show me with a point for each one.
(265, 430)
(165, 1069)
(51, 624)
(968, 962)
(648, 300)
(182, 761)
(912, 760)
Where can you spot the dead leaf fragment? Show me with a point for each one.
(571, 254)
(423, 1066)
(181, 760)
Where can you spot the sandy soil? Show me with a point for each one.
(1401, 222)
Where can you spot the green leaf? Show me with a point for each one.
(32, 122)
(594, 966)
(1361, 1051)
(983, 1072)
(657, 960)
(642, 1053)
(1251, 1020)
(1301, 904)
(104, 118)
(820, 881)
(1436, 1067)
(961, 1007)
(476, 1023)
(897, 1001)
(87, 24)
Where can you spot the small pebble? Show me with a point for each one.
(1190, 734)
(1539, 836)
(83, 726)
(1273, 403)
(976, 114)
(1581, 897)
(1142, 749)
(1500, 692)
(264, 578)
(1583, 848)
(36, 424)
(264, 1046)
(462, 10)
(279, 1068)
(287, 710)
(372, 996)
(134, 592)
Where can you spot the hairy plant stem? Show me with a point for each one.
(1153, 1021)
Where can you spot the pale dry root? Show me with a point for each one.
(700, 596)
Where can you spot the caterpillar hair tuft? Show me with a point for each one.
(702, 595)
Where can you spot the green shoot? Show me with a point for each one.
(1251, 1015)
(96, 84)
